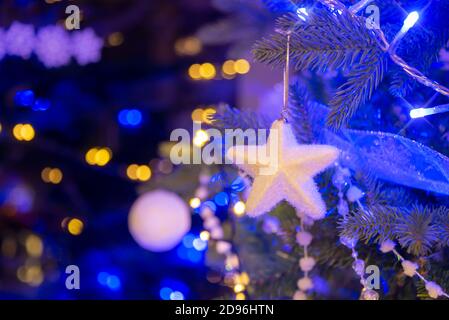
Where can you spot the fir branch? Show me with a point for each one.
(376, 223)
(330, 41)
(441, 220)
(298, 115)
(227, 117)
(325, 41)
(417, 231)
(363, 79)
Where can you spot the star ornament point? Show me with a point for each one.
(283, 170)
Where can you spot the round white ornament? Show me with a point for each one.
(158, 220)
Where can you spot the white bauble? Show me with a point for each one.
(158, 220)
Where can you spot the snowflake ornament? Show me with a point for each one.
(286, 174)
(20, 40)
(86, 46)
(53, 46)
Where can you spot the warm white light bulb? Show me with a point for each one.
(410, 21)
(302, 13)
(416, 113)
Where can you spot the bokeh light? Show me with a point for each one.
(23, 132)
(98, 156)
(207, 71)
(195, 203)
(242, 66)
(75, 227)
(239, 208)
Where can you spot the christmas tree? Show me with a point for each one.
(316, 169)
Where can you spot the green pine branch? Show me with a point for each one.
(329, 41)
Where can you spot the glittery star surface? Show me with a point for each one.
(283, 170)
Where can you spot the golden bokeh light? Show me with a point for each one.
(240, 296)
(239, 288)
(200, 138)
(34, 246)
(115, 39)
(207, 71)
(242, 66)
(75, 226)
(228, 67)
(207, 115)
(99, 157)
(131, 171)
(197, 115)
(55, 176)
(194, 71)
(204, 235)
(188, 46)
(102, 157)
(195, 203)
(143, 173)
(239, 208)
(23, 132)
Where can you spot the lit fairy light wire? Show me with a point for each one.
(359, 6)
(423, 112)
(302, 13)
(409, 22)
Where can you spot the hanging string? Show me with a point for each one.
(284, 111)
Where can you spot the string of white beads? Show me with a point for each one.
(411, 269)
(306, 263)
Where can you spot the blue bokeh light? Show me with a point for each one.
(113, 282)
(109, 280)
(221, 199)
(188, 239)
(165, 293)
(172, 289)
(130, 117)
(41, 104)
(102, 278)
(24, 98)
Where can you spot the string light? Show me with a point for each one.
(34, 246)
(23, 132)
(239, 288)
(239, 208)
(240, 296)
(204, 235)
(115, 39)
(409, 22)
(200, 138)
(130, 117)
(228, 67)
(242, 66)
(197, 115)
(302, 13)
(194, 71)
(189, 46)
(390, 48)
(207, 71)
(75, 227)
(52, 175)
(423, 112)
(195, 203)
(359, 6)
(99, 157)
(143, 173)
